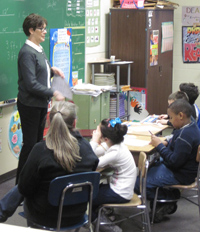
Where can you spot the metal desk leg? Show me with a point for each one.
(128, 93)
(93, 73)
(118, 80)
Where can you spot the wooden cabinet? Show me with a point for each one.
(129, 39)
(91, 110)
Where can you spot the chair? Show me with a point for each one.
(138, 202)
(70, 190)
(194, 186)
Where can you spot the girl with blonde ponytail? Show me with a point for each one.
(59, 138)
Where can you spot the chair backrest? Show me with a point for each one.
(143, 165)
(197, 115)
(72, 190)
(141, 162)
(198, 176)
(198, 154)
(78, 191)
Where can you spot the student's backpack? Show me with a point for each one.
(197, 115)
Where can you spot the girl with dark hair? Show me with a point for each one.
(107, 143)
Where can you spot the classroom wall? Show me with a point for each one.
(8, 161)
(100, 51)
(183, 72)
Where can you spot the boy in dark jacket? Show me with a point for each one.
(178, 158)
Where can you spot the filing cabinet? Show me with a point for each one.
(91, 110)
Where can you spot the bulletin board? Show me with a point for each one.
(93, 23)
(59, 14)
(191, 44)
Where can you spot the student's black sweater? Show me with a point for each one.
(180, 154)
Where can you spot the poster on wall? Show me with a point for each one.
(138, 103)
(190, 15)
(191, 44)
(92, 23)
(61, 51)
(167, 36)
(15, 134)
(154, 47)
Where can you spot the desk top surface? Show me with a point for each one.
(110, 62)
(118, 63)
(135, 128)
(138, 136)
(138, 143)
(102, 61)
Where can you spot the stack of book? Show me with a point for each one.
(103, 79)
(113, 106)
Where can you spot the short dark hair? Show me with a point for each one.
(191, 90)
(178, 95)
(33, 21)
(181, 105)
(115, 134)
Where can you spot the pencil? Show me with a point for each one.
(150, 132)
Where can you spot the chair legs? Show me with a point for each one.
(162, 201)
(154, 205)
(98, 220)
(147, 220)
(146, 226)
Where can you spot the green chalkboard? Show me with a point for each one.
(59, 14)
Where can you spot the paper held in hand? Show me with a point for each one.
(62, 86)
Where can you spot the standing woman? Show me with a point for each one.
(34, 85)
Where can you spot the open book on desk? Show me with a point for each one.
(150, 118)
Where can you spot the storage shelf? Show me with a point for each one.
(118, 64)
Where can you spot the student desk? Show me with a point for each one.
(138, 143)
(144, 129)
(137, 138)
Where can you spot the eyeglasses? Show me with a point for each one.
(42, 29)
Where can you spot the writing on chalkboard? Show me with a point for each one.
(59, 14)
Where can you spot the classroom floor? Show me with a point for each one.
(185, 219)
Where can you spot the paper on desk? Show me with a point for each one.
(132, 140)
(62, 86)
(141, 129)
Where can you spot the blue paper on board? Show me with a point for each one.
(61, 51)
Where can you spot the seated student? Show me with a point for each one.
(192, 92)
(64, 152)
(178, 159)
(164, 118)
(107, 143)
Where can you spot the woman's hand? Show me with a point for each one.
(155, 141)
(58, 72)
(58, 96)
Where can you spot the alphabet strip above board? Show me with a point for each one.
(59, 14)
